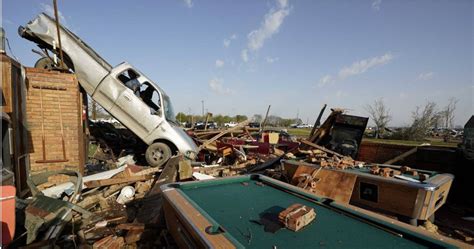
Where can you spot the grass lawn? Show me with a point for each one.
(299, 132)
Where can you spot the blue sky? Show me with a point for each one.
(241, 56)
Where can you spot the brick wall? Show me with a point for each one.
(52, 95)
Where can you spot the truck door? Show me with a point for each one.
(124, 86)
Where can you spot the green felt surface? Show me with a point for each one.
(233, 206)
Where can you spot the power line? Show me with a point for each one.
(10, 49)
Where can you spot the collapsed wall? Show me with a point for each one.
(54, 120)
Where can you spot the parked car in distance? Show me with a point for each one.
(301, 126)
(230, 124)
(123, 91)
(254, 125)
(202, 125)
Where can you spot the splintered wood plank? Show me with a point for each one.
(113, 181)
(336, 185)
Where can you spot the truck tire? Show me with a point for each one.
(157, 154)
(45, 63)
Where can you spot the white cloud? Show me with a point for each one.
(49, 10)
(376, 5)
(362, 66)
(425, 76)
(272, 60)
(270, 26)
(356, 68)
(227, 41)
(245, 55)
(403, 95)
(219, 63)
(325, 80)
(188, 3)
(217, 87)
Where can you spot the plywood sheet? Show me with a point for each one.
(335, 185)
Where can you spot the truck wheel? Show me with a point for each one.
(45, 63)
(157, 154)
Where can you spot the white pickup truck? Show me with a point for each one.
(125, 92)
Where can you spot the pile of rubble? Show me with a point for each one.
(388, 172)
(239, 150)
(112, 208)
(121, 205)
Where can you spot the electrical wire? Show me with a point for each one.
(10, 49)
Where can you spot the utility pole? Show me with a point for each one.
(202, 102)
(189, 115)
(58, 33)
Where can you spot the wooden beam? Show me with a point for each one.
(264, 122)
(113, 181)
(56, 16)
(402, 156)
(317, 122)
(222, 133)
(325, 127)
(207, 120)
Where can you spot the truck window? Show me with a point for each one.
(130, 79)
(168, 109)
(150, 96)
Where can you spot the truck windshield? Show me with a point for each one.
(168, 108)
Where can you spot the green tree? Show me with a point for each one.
(227, 119)
(257, 118)
(182, 117)
(240, 118)
(286, 122)
(219, 119)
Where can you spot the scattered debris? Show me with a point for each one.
(464, 236)
(428, 226)
(199, 176)
(297, 216)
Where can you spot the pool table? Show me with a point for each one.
(224, 213)
(408, 199)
